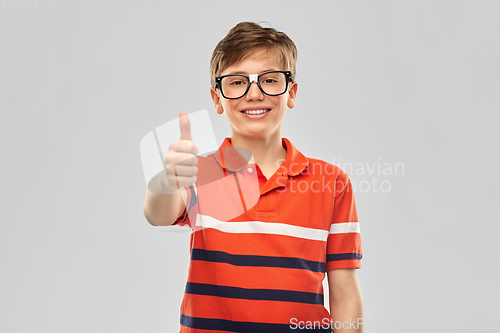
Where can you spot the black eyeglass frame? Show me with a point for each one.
(252, 78)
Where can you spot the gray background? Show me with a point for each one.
(81, 83)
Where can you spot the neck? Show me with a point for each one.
(266, 151)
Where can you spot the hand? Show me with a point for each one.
(180, 160)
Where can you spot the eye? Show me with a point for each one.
(269, 81)
(237, 83)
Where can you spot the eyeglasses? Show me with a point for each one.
(272, 83)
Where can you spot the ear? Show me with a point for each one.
(292, 94)
(217, 100)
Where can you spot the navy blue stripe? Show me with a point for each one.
(254, 294)
(247, 327)
(261, 261)
(343, 256)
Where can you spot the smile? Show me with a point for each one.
(261, 111)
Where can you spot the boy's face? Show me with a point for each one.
(262, 126)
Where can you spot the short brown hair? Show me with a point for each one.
(247, 37)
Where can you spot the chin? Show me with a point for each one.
(260, 133)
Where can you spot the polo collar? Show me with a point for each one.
(295, 162)
(234, 159)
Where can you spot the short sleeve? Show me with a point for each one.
(190, 204)
(344, 240)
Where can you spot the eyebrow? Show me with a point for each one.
(240, 72)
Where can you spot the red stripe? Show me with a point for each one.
(256, 277)
(261, 244)
(251, 310)
(344, 243)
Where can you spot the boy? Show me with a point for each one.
(261, 270)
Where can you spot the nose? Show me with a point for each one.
(254, 92)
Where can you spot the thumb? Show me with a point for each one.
(185, 126)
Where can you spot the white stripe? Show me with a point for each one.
(343, 228)
(249, 227)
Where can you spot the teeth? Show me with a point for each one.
(256, 111)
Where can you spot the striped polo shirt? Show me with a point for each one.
(260, 247)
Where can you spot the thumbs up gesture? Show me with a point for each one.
(180, 160)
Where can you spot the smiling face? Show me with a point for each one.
(239, 111)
